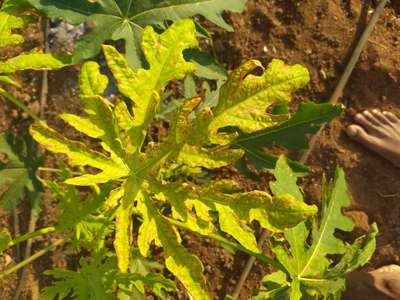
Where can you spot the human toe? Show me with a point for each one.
(391, 117)
(358, 133)
(370, 117)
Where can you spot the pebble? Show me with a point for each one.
(34, 106)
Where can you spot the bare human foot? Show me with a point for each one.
(387, 280)
(381, 284)
(379, 132)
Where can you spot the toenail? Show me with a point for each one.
(366, 112)
(358, 116)
(376, 111)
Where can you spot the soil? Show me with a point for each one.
(319, 34)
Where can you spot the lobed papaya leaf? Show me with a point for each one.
(166, 63)
(18, 164)
(93, 281)
(305, 250)
(112, 168)
(186, 267)
(115, 20)
(245, 97)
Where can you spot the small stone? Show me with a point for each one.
(7, 259)
(323, 74)
(35, 107)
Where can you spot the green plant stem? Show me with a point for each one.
(22, 106)
(31, 235)
(232, 244)
(31, 259)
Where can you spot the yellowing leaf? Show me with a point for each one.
(33, 61)
(111, 168)
(164, 55)
(193, 156)
(283, 212)
(123, 235)
(91, 81)
(185, 266)
(245, 97)
(83, 125)
(7, 24)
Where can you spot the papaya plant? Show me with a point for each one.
(306, 251)
(136, 167)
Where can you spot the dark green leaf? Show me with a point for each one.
(264, 160)
(206, 65)
(293, 133)
(17, 171)
(126, 19)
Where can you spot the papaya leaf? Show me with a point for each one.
(79, 155)
(94, 280)
(206, 65)
(166, 64)
(183, 265)
(10, 81)
(86, 223)
(5, 240)
(18, 164)
(305, 250)
(292, 134)
(126, 19)
(7, 24)
(33, 61)
(276, 287)
(264, 160)
(245, 97)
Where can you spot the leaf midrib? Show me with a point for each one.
(322, 233)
